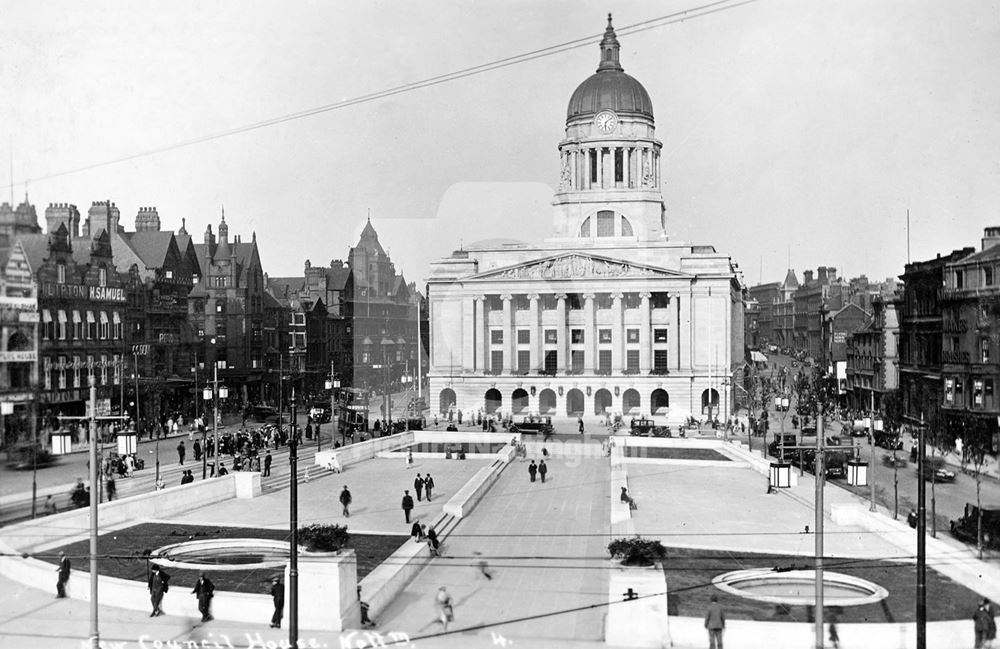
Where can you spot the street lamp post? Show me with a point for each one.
(333, 385)
(214, 393)
(293, 550)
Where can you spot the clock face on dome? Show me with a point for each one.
(606, 121)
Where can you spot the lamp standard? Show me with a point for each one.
(213, 393)
(333, 385)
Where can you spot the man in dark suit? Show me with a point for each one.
(532, 470)
(267, 464)
(428, 486)
(542, 469)
(159, 582)
(278, 595)
(407, 504)
(63, 571)
(204, 590)
(418, 486)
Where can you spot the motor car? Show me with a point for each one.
(263, 413)
(966, 528)
(781, 440)
(897, 462)
(533, 426)
(888, 440)
(644, 427)
(934, 470)
(320, 412)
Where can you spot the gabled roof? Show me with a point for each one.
(336, 278)
(993, 252)
(151, 247)
(369, 240)
(36, 249)
(270, 302)
(790, 280)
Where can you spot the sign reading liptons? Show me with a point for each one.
(82, 292)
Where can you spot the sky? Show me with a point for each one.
(796, 133)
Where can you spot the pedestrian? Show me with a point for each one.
(432, 542)
(197, 451)
(50, 506)
(984, 624)
(363, 605)
(409, 458)
(579, 421)
(532, 470)
(267, 463)
(63, 571)
(181, 450)
(428, 486)
(446, 612)
(834, 635)
(204, 590)
(418, 486)
(407, 504)
(542, 470)
(417, 531)
(345, 500)
(112, 489)
(484, 568)
(715, 622)
(158, 584)
(278, 597)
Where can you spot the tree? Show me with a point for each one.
(977, 444)
(892, 419)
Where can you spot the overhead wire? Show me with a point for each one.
(653, 23)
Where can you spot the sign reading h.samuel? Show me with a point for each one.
(83, 292)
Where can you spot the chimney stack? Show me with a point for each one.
(991, 237)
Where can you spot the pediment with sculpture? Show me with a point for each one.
(575, 267)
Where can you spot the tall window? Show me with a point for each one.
(576, 358)
(632, 361)
(104, 369)
(77, 371)
(988, 276)
(551, 361)
(619, 166)
(605, 223)
(574, 301)
(496, 361)
(496, 336)
(523, 336)
(984, 350)
(523, 361)
(959, 279)
(604, 361)
(77, 326)
(660, 361)
(659, 335)
(102, 277)
(62, 372)
(62, 325)
(632, 335)
(117, 371)
(61, 273)
(604, 336)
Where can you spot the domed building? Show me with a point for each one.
(608, 316)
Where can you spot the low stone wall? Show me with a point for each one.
(621, 514)
(337, 459)
(761, 465)
(641, 622)
(465, 500)
(381, 586)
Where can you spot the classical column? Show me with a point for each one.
(509, 344)
(479, 360)
(589, 334)
(625, 164)
(617, 334)
(645, 348)
(599, 152)
(562, 334)
(534, 317)
(574, 165)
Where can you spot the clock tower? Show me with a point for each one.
(609, 182)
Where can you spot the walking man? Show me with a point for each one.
(345, 500)
(63, 571)
(428, 485)
(407, 504)
(484, 568)
(580, 423)
(532, 469)
(181, 451)
(197, 451)
(418, 486)
(542, 470)
(267, 464)
(158, 584)
(111, 488)
(446, 612)
(204, 590)
(278, 596)
(983, 624)
(715, 622)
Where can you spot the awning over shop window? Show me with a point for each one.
(46, 315)
(62, 316)
(104, 317)
(90, 316)
(117, 319)
(757, 357)
(76, 316)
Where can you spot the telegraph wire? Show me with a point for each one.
(654, 23)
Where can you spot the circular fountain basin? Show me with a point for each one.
(798, 587)
(222, 554)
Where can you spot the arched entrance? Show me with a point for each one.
(574, 403)
(546, 402)
(706, 396)
(447, 400)
(630, 402)
(493, 400)
(602, 402)
(658, 400)
(519, 401)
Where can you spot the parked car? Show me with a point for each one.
(966, 528)
(647, 427)
(263, 413)
(533, 426)
(888, 440)
(934, 470)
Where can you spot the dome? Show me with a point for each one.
(610, 88)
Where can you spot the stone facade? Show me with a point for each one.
(609, 315)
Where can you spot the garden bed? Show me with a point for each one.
(123, 553)
(675, 453)
(689, 573)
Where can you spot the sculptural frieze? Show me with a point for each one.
(573, 267)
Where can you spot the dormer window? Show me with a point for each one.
(102, 277)
(61, 273)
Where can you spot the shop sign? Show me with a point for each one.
(17, 396)
(18, 357)
(82, 292)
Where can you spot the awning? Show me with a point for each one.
(104, 317)
(90, 316)
(46, 315)
(76, 316)
(117, 319)
(757, 357)
(62, 316)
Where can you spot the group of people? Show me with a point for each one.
(420, 533)
(540, 469)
